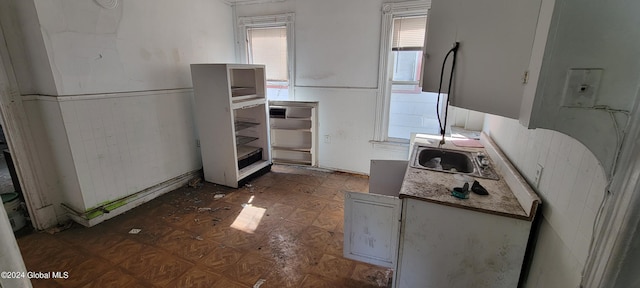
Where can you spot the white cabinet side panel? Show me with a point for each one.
(214, 121)
(386, 176)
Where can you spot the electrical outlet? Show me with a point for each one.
(536, 180)
(327, 138)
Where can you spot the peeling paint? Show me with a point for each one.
(93, 214)
(104, 207)
(115, 205)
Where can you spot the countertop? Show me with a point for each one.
(436, 187)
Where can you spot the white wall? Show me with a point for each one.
(140, 45)
(122, 145)
(337, 53)
(572, 187)
(118, 120)
(337, 43)
(28, 54)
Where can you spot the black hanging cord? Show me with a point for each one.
(453, 50)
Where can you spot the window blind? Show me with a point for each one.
(408, 33)
(268, 46)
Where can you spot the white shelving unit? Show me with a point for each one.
(231, 114)
(293, 132)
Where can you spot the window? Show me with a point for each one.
(407, 42)
(268, 40)
(410, 110)
(402, 106)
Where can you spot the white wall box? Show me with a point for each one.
(293, 132)
(231, 115)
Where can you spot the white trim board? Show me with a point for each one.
(81, 97)
(132, 201)
(19, 139)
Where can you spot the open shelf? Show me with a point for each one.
(242, 91)
(240, 99)
(244, 103)
(245, 151)
(255, 167)
(293, 129)
(291, 156)
(241, 140)
(248, 155)
(299, 149)
(290, 161)
(241, 125)
(291, 124)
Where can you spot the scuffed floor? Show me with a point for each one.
(290, 235)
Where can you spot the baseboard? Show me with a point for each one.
(100, 214)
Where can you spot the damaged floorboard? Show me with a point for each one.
(284, 229)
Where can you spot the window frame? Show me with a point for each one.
(266, 21)
(383, 98)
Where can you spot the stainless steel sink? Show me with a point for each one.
(452, 161)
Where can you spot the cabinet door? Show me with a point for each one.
(372, 221)
(496, 38)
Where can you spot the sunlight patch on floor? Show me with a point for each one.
(249, 218)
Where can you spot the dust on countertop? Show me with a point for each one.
(436, 187)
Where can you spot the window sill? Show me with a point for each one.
(391, 145)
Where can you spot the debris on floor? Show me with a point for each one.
(381, 279)
(259, 283)
(284, 241)
(135, 231)
(195, 182)
(60, 227)
(249, 187)
(218, 196)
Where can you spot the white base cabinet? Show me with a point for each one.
(430, 245)
(443, 246)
